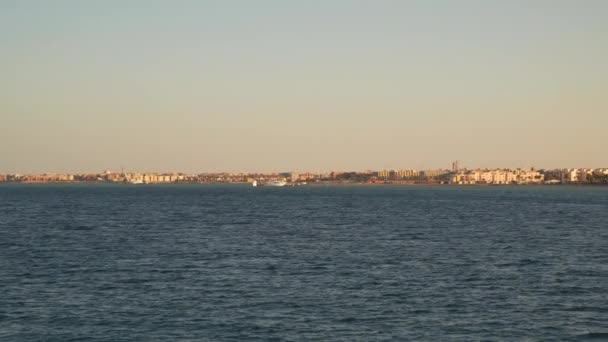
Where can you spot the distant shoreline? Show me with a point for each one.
(314, 184)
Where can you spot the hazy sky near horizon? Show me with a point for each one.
(279, 85)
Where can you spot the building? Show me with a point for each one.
(406, 173)
(384, 174)
(294, 177)
(433, 173)
(577, 175)
(308, 176)
(554, 176)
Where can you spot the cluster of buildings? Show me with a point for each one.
(148, 178)
(498, 176)
(154, 178)
(397, 174)
(409, 175)
(577, 175)
(100, 177)
(454, 176)
(41, 178)
(520, 176)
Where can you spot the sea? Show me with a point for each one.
(102, 262)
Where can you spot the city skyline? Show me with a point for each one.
(273, 85)
(455, 176)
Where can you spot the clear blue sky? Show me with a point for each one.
(301, 85)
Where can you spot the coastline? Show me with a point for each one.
(314, 184)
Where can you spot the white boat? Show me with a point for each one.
(276, 183)
(254, 183)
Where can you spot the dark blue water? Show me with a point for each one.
(235, 263)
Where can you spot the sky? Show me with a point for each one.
(318, 85)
